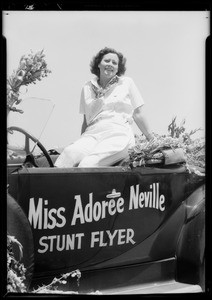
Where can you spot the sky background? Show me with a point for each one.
(165, 52)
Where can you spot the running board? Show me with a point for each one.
(163, 287)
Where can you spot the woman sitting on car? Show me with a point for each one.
(109, 102)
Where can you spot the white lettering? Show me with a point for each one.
(60, 242)
(70, 242)
(150, 199)
(104, 205)
(59, 247)
(78, 211)
(120, 203)
(162, 200)
(41, 217)
(141, 200)
(95, 211)
(45, 245)
(146, 199)
(130, 235)
(111, 207)
(35, 214)
(94, 238)
(51, 238)
(119, 237)
(61, 217)
(101, 238)
(134, 197)
(111, 236)
(52, 211)
(79, 237)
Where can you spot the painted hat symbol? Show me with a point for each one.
(114, 194)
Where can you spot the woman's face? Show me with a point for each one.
(109, 65)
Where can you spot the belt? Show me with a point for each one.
(130, 120)
(96, 120)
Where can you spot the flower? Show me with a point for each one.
(32, 68)
(144, 153)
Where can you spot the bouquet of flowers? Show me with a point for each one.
(32, 68)
(146, 153)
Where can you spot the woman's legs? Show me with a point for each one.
(108, 151)
(103, 144)
(74, 153)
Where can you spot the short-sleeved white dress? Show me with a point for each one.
(108, 114)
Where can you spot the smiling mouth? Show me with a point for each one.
(108, 70)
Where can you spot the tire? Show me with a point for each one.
(19, 227)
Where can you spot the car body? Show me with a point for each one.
(128, 230)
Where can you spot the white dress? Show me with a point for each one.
(109, 134)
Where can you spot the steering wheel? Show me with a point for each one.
(29, 137)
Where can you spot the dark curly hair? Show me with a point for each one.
(98, 57)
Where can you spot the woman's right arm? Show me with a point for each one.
(84, 125)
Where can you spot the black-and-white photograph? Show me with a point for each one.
(105, 151)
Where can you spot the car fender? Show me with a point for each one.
(190, 252)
